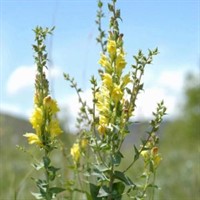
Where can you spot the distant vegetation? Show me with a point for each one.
(15, 170)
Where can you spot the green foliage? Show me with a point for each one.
(180, 148)
(192, 106)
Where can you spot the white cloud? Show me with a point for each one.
(10, 109)
(72, 105)
(172, 80)
(147, 102)
(24, 77)
(21, 78)
(166, 85)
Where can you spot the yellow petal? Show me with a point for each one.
(111, 47)
(75, 152)
(33, 138)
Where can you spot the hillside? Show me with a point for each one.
(12, 128)
(177, 174)
(15, 164)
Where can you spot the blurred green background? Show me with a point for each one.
(178, 175)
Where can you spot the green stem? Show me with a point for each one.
(111, 182)
(153, 189)
(132, 163)
(111, 172)
(48, 196)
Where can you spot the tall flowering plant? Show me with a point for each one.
(98, 162)
(44, 120)
(98, 170)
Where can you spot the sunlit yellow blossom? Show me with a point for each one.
(103, 119)
(104, 62)
(33, 138)
(125, 80)
(51, 104)
(37, 118)
(84, 143)
(145, 154)
(103, 107)
(120, 63)
(75, 152)
(103, 100)
(107, 80)
(157, 160)
(54, 128)
(102, 129)
(111, 47)
(117, 93)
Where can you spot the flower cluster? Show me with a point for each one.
(43, 118)
(78, 148)
(151, 156)
(111, 95)
(44, 122)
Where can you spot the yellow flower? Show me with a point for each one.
(126, 80)
(37, 118)
(33, 138)
(157, 159)
(107, 80)
(103, 123)
(51, 104)
(75, 152)
(145, 154)
(102, 129)
(103, 100)
(120, 63)
(104, 62)
(84, 143)
(103, 120)
(154, 151)
(111, 47)
(117, 93)
(54, 128)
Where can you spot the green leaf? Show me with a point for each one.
(137, 154)
(99, 174)
(103, 192)
(56, 190)
(118, 14)
(141, 86)
(110, 7)
(152, 186)
(116, 158)
(128, 91)
(38, 166)
(46, 161)
(118, 189)
(100, 4)
(52, 170)
(37, 195)
(94, 190)
(121, 176)
(101, 168)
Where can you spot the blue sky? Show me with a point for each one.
(172, 26)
